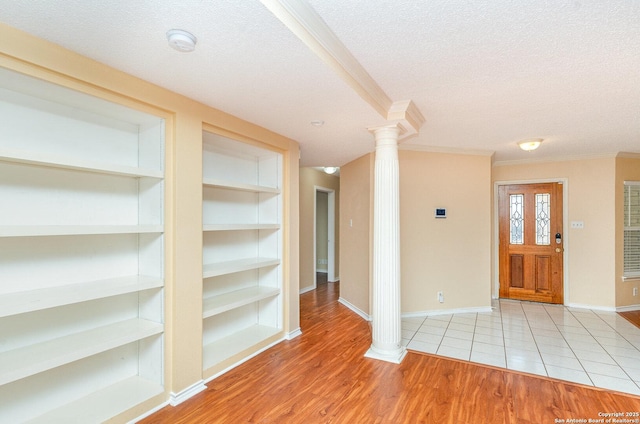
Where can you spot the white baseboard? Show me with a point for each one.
(354, 308)
(230, 367)
(473, 310)
(194, 389)
(293, 334)
(149, 413)
(321, 269)
(630, 308)
(335, 278)
(306, 289)
(592, 307)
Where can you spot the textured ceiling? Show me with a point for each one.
(484, 74)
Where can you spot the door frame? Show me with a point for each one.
(495, 290)
(331, 236)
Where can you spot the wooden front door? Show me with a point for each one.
(531, 242)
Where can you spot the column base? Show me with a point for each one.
(395, 357)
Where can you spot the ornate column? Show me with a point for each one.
(386, 325)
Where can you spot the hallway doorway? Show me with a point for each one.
(324, 234)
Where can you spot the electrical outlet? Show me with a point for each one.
(635, 291)
(440, 297)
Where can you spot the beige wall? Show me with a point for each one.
(456, 255)
(183, 209)
(311, 178)
(627, 169)
(356, 202)
(590, 197)
(451, 255)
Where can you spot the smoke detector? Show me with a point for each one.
(181, 40)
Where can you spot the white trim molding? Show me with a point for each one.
(435, 312)
(149, 413)
(243, 360)
(304, 290)
(592, 307)
(630, 308)
(182, 395)
(566, 158)
(444, 150)
(354, 308)
(293, 334)
(303, 21)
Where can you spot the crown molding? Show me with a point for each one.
(449, 150)
(566, 158)
(628, 155)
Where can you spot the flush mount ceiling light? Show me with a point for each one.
(317, 123)
(530, 144)
(330, 169)
(181, 40)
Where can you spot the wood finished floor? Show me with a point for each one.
(322, 376)
(632, 316)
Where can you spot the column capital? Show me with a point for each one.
(386, 134)
(405, 117)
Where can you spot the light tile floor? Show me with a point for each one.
(589, 347)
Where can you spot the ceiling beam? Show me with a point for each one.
(308, 26)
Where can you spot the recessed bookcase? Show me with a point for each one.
(242, 250)
(81, 254)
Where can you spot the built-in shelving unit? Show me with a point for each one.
(242, 250)
(81, 254)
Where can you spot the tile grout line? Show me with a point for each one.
(504, 341)
(473, 336)
(602, 346)
(526, 318)
(569, 345)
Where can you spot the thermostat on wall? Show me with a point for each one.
(441, 213)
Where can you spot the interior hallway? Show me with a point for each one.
(322, 376)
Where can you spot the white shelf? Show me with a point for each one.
(103, 404)
(84, 195)
(73, 230)
(239, 265)
(29, 360)
(239, 227)
(231, 185)
(34, 300)
(225, 302)
(229, 346)
(55, 161)
(242, 223)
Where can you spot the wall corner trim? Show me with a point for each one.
(293, 334)
(194, 389)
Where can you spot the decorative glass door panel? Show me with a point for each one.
(530, 237)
